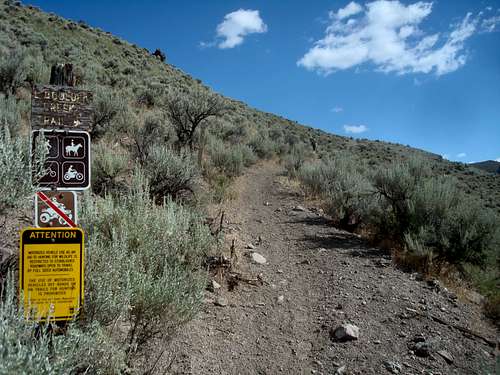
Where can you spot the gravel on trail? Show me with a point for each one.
(316, 278)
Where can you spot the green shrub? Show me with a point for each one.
(316, 177)
(347, 192)
(431, 216)
(230, 159)
(107, 105)
(263, 147)
(170, 174)
(29, 348)
(108, 165)
(10, 117)
(396, 185)
(445, 225)
(295, 159)
(12, 70)
(143, 264)
(16, 171)
(220, 187)
(151, 129)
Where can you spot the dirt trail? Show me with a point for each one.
(326, 277)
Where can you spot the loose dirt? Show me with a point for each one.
(317, 277)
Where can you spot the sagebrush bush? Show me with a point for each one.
(445, 225)
(150, 129)
(396, 185)
(431, 216)
(230, 159)
(10, 117)
(16, 170)
(30, 348)
(12, 70)
(295, 159)
(347, 193)
(143, 264)
(108, 167)
(107, 104)
(263, 147)
(171, 174)
(316, 177)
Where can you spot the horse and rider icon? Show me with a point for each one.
(72, 149)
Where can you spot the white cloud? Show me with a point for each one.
(349, 10)
(387, 34)
(490, 24)
(237, 25)
(356, 129)
(337, 109)
(461, 155)
(497, 159)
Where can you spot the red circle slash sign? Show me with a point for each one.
(49, 203)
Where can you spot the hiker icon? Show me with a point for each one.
(48, 146)
(48, 214)
(72, 174)
(72, 149)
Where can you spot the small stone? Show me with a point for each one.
(257, 258)
(345, 332)
(215, 285)
(446, 356)
(221, 301)
(341, 370)
(281, 299)
(393, 367)
(279, 270)
(299, 209)
(421, 349)
(250, 246)
(267, 204)
(377, 342)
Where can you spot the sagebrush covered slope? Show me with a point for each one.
(132, 76)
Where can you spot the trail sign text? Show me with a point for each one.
(60, 107)
(51, 272)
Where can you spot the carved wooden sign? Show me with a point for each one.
(61, 107)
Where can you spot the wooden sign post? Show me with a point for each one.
(51, 258)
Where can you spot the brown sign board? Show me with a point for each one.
(61, 107)
(67, 164)
(47, 217)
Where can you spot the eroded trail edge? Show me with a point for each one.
(315, 278)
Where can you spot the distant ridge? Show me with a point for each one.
(490, 166)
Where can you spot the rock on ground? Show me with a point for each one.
(345, 332)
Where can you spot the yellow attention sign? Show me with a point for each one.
(51, 272)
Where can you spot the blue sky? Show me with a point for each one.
(418, 73)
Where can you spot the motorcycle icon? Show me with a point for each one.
(49, 214)
(72, 174)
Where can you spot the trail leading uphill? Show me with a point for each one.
(317, 277)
